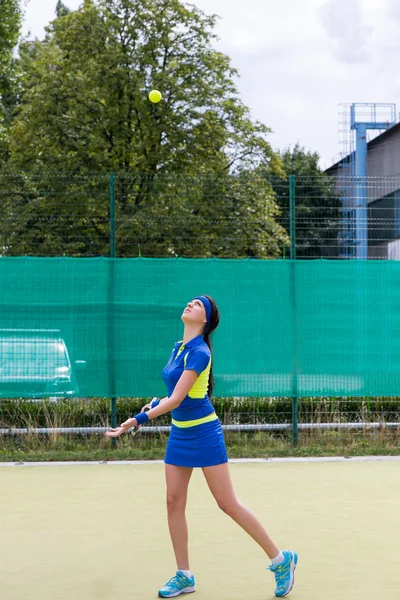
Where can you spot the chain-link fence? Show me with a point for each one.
(227, 216)
(129, 215)
(237, 216)
(347, 217)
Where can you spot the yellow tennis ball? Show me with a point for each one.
(155, 96)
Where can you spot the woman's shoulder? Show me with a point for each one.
(201, 348)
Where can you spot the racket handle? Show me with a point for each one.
(153, 400)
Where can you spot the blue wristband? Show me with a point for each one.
(155, 402)
(141, 418)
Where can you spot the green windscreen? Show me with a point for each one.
(106, 327)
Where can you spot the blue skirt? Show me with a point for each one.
(198, 446)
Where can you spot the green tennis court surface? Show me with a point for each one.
(100, 531)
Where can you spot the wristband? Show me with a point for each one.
(155, 402)
(141, 418)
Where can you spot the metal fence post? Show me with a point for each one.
(295, 366)
(111, 284)
(113, 250)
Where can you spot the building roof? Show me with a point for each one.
(375, 142)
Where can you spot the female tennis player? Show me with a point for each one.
(197, 440)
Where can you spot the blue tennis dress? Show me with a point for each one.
(196, 438)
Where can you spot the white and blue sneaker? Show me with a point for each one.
(284, 573)
(178, 584)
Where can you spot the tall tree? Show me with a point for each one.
(10, 26)
(317, 206)
(86, 102)
(85, 108)
(61, 9)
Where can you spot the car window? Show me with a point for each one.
(34, 359)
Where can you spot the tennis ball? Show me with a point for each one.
(155, 96)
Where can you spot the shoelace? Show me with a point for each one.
(175, 580)
(280, 572)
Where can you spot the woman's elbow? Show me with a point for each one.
(175, 402)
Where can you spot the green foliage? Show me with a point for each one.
(61, 9)
(10, 25)
(189, 182)
(95, 412)
(85, 104)
(265, 444)
(228, 215)
(54, 214)
(317, 204)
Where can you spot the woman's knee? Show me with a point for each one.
(176, 502)
(230, 506)
(177, 479)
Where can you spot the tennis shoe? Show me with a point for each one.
(178, 584)
(284, 573)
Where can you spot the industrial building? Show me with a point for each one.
(368, 182)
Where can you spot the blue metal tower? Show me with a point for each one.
(363, 117)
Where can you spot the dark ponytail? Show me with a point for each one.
(212, 326)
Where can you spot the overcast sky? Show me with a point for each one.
(298, 59)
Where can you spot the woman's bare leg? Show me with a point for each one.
(177, 479)
(219, 481)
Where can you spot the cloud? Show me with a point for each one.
(343, 22)
(394, 9)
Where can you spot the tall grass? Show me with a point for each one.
(96, 413)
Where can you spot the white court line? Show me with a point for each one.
(233, 461)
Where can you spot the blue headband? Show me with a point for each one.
(208, 307)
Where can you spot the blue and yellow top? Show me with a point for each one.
(196, 408)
